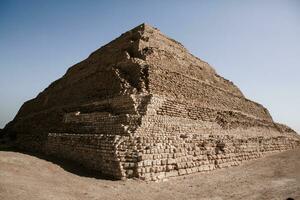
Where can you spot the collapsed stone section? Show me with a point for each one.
(142, 106)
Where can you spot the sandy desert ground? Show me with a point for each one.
(27, 177)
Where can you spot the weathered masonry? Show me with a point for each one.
(142, 106)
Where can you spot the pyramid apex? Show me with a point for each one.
(145, 26)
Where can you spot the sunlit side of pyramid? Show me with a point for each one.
(143, 106)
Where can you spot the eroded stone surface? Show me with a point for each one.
(143, 106)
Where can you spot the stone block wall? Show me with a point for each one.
(179, 156)
(112, 155)
(202, 93)
(175, 139)
(96, 152)
(170, 139)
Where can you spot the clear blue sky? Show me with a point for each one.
(256, 44)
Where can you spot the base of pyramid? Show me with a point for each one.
(167, 141)
(110, 156)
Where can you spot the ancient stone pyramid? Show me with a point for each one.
(143, 106)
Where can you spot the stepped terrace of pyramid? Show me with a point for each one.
(143, 107)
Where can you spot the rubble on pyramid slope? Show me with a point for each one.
(143, 106)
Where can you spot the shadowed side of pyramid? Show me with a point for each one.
(143, 106)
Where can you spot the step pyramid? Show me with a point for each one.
(142, 106)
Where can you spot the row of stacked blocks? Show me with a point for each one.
(154, 158)
(170, 138)
(197, 155)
